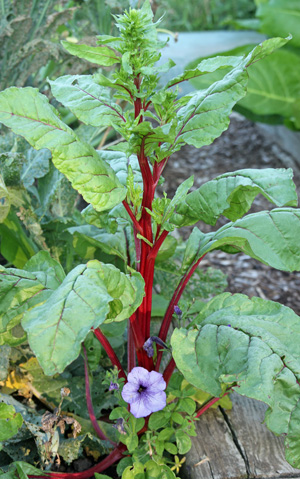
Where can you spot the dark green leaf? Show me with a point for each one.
(183, 442)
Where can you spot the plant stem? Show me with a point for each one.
(170, 311)
(89, 403)
(100, 467)
(169, 370)
(208, 404)
(132, 217)
(110, 352)
(130, 349)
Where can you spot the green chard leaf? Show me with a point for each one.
(22, 290)
(103, 56)
(29, 114)
(206, 115)
(251, 345)
(89, 295)
(280, 17)
(90, 102)
(232, 195)
(4, 201)
(268, 236)
(10, 422)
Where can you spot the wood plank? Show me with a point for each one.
(236, 444)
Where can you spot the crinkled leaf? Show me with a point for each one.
(206, 115)
(88, 295)
(127, 291)
(29, 114)
(252, 345)
(103, 56)
(10, 421)
(90, 102)
(269, 236)
(56, 328)
(232, 195)
(22, 290)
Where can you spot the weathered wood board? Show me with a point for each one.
(236, 444)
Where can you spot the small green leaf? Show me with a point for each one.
(166, 434)
(103, 56)
(171, 448)
(157, 420)
(132, 442)
(10, 422)
(187, 405)
(183, 442)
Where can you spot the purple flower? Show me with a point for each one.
(144, 391)
(113, 386)
(120, 426)
(148, 347)
(177, 311)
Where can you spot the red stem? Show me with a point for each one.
(132, 217)
(131, 363)
(110, 352)
(209, 404)
(169, 370)
(170, 311)
(89, 403)
(100, 467)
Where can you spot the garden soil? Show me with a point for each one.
(243, 145)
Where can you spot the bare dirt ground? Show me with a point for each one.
(242, 146)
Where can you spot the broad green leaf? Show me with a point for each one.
(46, 270)
(89, 295)
(103, 56)
(4, 201)
(273, 87)
(252, 345)
(268, 236)
(22, 290)
(28, 113)
(10, 422)
(206, 115)
(90, 102)
(167, 249)
(79, 304)
(99, 219)
(127, 291)
(16, 246)
(232, 195)
(192, 249)
(110, 243)
(206, 66)
(280, 17)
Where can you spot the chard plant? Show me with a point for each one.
(231, 342)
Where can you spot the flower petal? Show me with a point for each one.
(130, 392)
(156, 381)
(155, 401)
(139, 408)
(139, 376)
